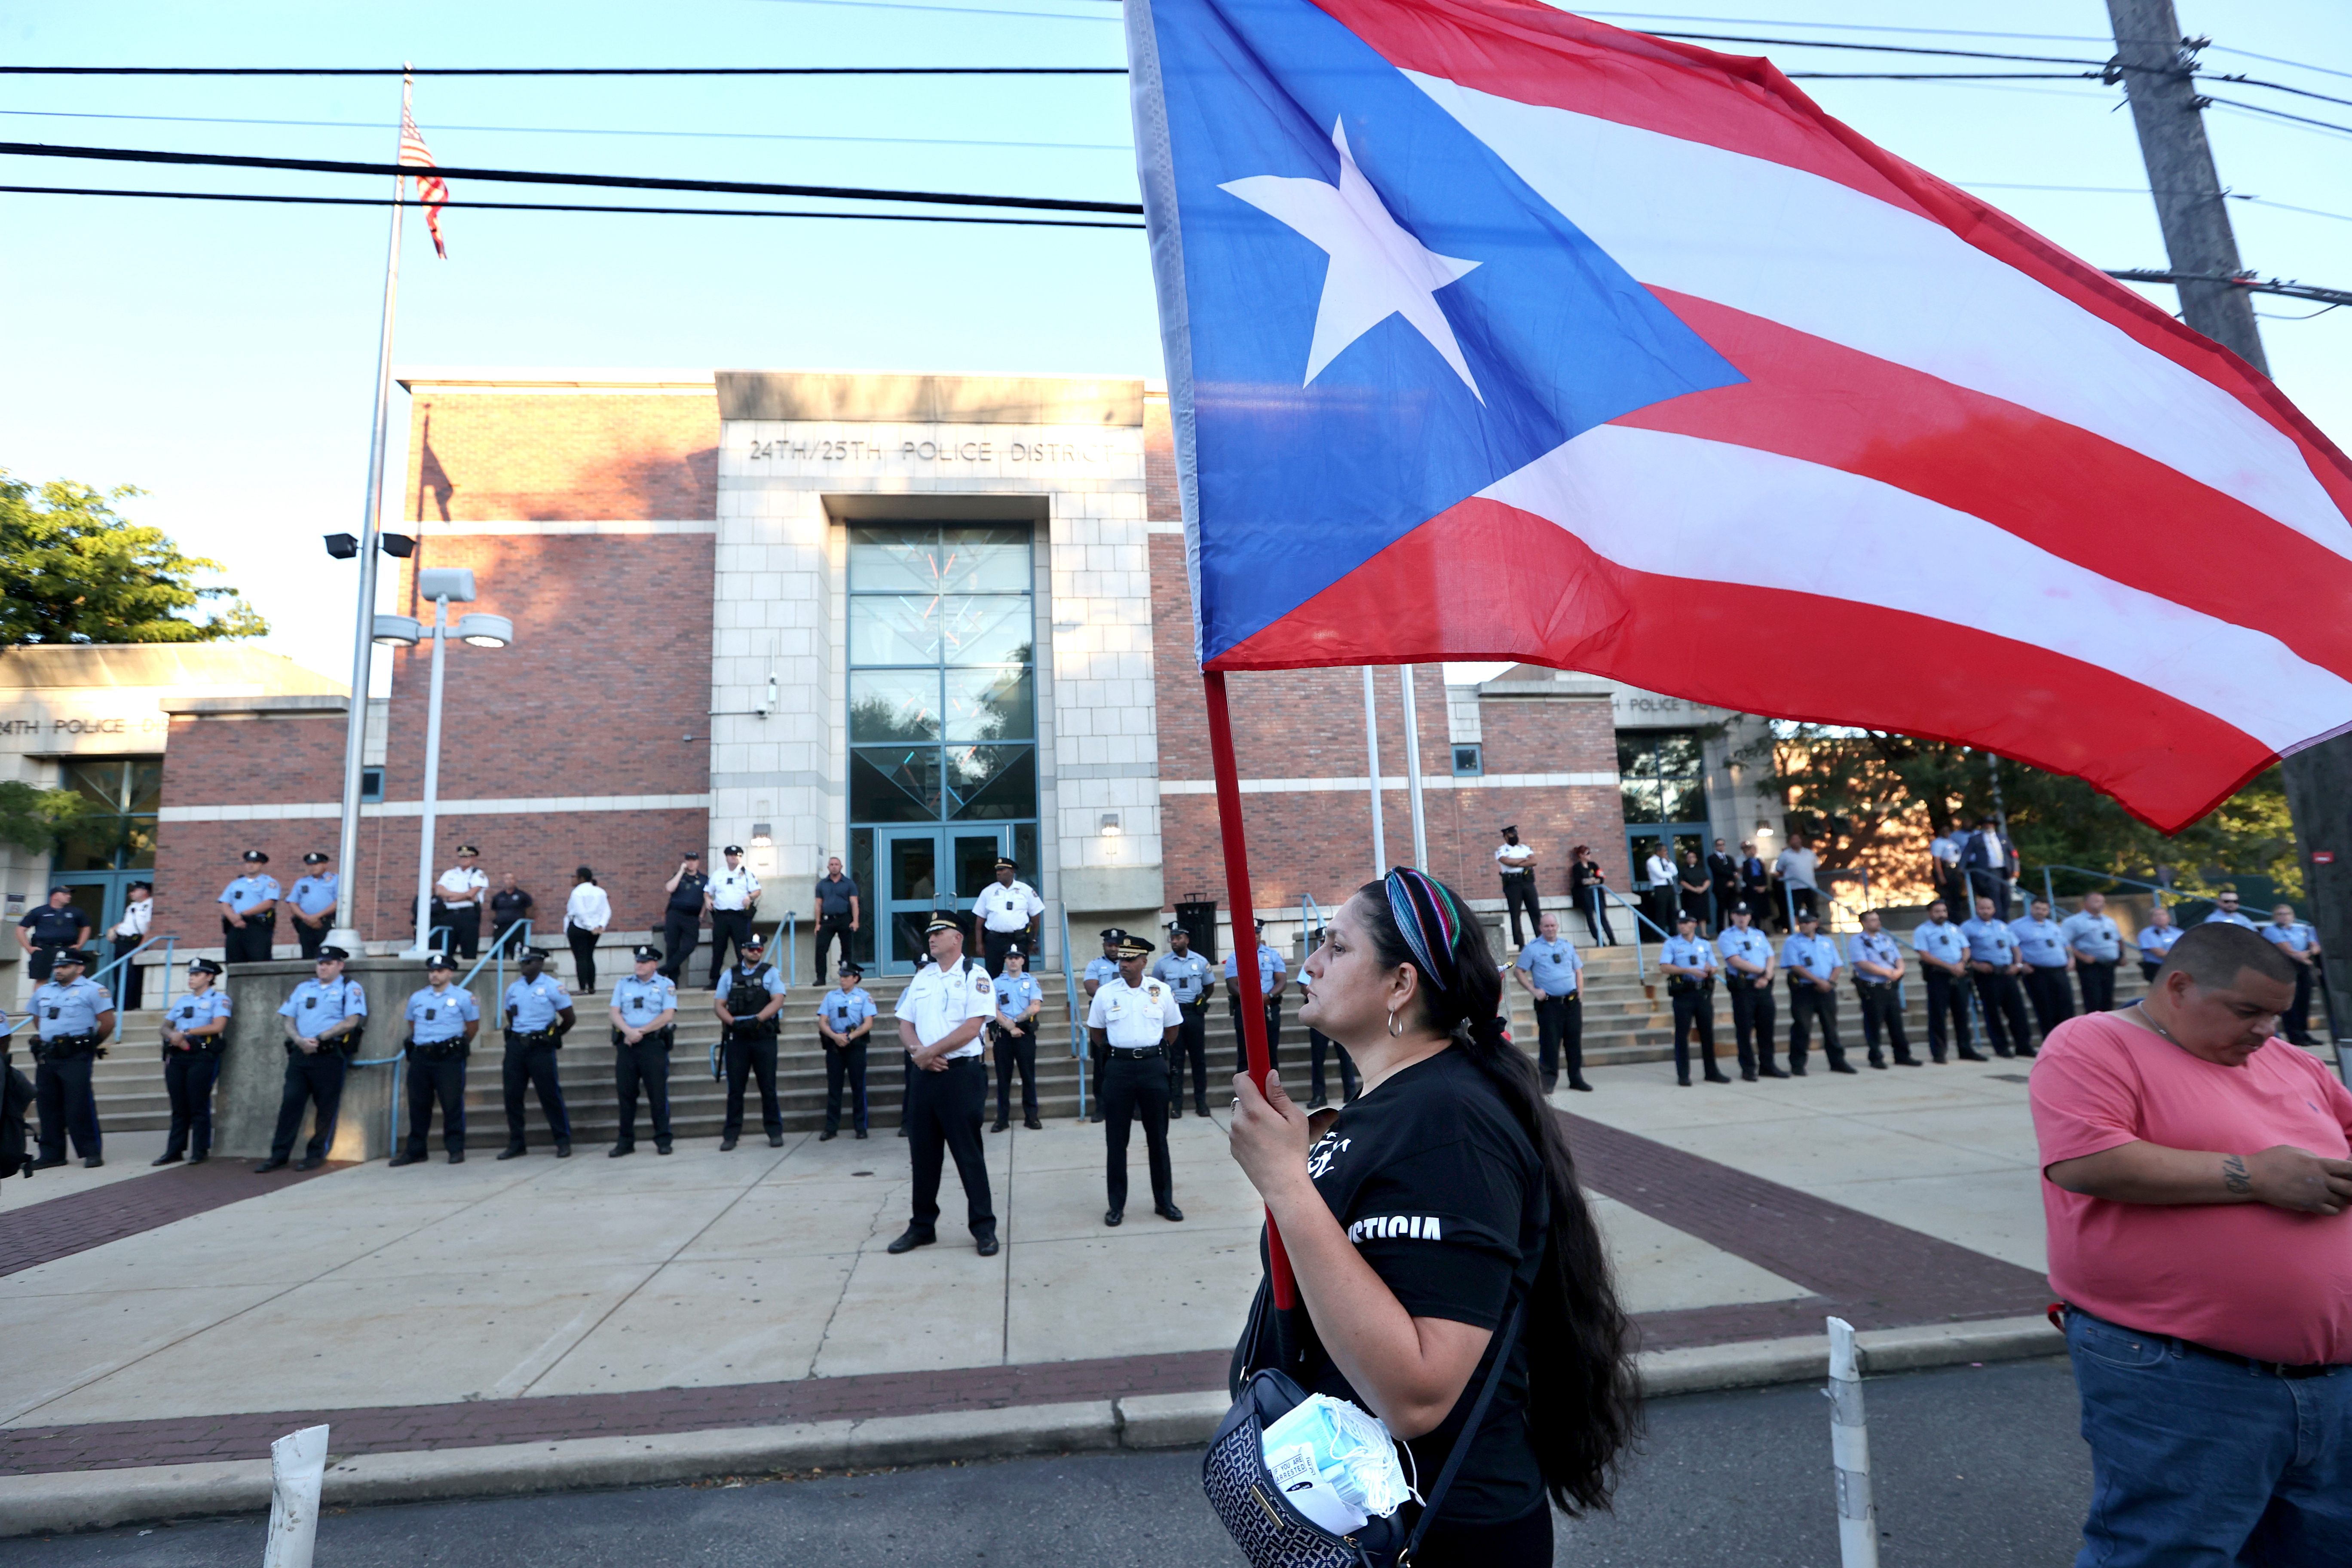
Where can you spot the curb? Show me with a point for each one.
(97, 1500)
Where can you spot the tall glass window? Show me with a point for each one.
(114, 846)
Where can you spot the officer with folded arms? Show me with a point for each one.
(462, 890)
(2048, 962)
(538, 1014)
(1008, 910)
(1013, 1034)
(1876, 960)
(748, 999)
(941, 1014)
(1690, 964)
(1748, 968)
(50, 930)
(644, 1009)
(1189, 976)
(1993, 966)
(1551, 971)
(442, 1022)
(1811, 962)
(734, 899)
(1944, 954)
(248, 909)
(1132, 1021)
(313, 902)
(844, 1022)
(194, 1027)
(73, 1017)
(322, 1020)
(2096, 943)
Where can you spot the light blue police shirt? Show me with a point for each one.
(2295, 934)
(435, 1017)
(247, 892)
(1102, 971)
(317, 1004)
(315, 895)
(768, 974)
(1015, 992)
(535, 1004)
(1555, 966)
(2154, 941)
(194, 1010)
(1751, 944)
(2041, 944)
(1186, 975)
(845, 1010)
(640, 1002)
(1990, 941)
(2218, 918)
(1269, 965)
(2094, 936)
(61, 1009)
(1816, 955)
(1943, 942)
(1690, 952)
(1874, 947)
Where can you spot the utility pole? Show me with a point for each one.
(2154, 61)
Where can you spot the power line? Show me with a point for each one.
(574, 207)
(2273, 60)
(2275, 87)
(1851, 26)
(1944, 75)
(562, 70)
(2246, 281)
(951, 10)
(1881, 49)
(625, 182)
(2279, 114)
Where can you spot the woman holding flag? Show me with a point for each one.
(1436, 1222)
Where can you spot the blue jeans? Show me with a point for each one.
(2197, 1463)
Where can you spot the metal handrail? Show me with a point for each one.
(170, 946)
(2160, 891)
(1641, 964)
(498, 952)
(1077, 1015)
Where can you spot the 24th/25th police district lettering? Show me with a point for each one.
(936, 451)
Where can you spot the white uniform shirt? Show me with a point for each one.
(1004, 906)
(1660, 872)
(936, 1001)
(1514, 856)
(1134, 1016)
(588, 908)
(733, 887)
(457, 882)
(135, 919)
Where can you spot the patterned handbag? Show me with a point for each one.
(1261, 1522)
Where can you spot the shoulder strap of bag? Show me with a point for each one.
(1503, 1344)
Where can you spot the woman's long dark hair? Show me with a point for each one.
(1583, 1405)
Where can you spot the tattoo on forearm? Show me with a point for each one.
(2234, 1175)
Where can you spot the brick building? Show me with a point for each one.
(913, 621)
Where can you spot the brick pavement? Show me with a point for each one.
(57, 1227)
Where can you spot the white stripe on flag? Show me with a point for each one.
(1824, 258)
(1681, 507)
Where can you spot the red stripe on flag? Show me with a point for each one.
(2075, 494)
(1457, 586)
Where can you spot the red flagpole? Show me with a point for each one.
(1245, 943)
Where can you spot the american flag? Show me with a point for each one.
(431, 189)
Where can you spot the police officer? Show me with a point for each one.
(844, 1022)
(313, 902)
(2300, 944)
(1008, 910)
(442, 1022)
(644, 1011)
(746, 1009)
(1319, 1046)
(1552, 972)
(322, 1020)
(2097, 944)
(249, 911)
(734, 899)
(194, 1028)
(689, 896)
(510, 907)
(1132, 1021)
(1722, 877)
(1013, 1034)
(1875, 960)
(461, 891)
(1993, 967)
(129, 935)
(1748, 968)
(1690, 964)
(1515, 863)
(1811, 962)
(2048, 962)
(50, 930)
(2227, 913)
(2155, 940)
(74, 1016)
(1272, 978)
(1099, 971)
(837, 913)
(1943, 955)
(941, 1014)
(538, 1014)
(1187, 975)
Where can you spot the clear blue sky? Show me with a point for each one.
(221, 356)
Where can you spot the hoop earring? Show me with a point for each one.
(1394, 1032)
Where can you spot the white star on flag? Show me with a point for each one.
(1377, 270)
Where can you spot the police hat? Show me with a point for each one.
(148, 886)
(60, 888)
(531, 953)
(203, 966)
(1135, 947)
(1805, 915)
(1007, 863)
(75, 955)
(852, 969)
(468, 850)
(752, 940)
(336, 953)
(691, 855)
(1261, 924)
(1687, 917)
(1175, 930)
(439, 960)
(255, 857)
(1510, 827)
(1113, 937)
(315, 857)
(943, 919)
(1741, 909)
(648, 954)
(1014, 949)
(734, 849)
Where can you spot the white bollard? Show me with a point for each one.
(1850, 1450)
(298, 1468)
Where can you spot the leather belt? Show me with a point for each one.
(1133, 1053)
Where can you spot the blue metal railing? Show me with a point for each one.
(1078, 1013)
(517, 935)
(122, 980)
(1641, 963)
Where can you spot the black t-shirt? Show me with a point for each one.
(508, 908)
(1441, 1191)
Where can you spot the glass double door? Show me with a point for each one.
(925, 869)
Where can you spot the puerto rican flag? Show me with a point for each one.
(1497, 333)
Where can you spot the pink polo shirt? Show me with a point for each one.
(2262, 1282)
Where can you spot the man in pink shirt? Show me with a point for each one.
(2197, 1172)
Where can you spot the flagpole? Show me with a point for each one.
(1245, 944)
(1412, 774)
(346, 934)
(1373, 750)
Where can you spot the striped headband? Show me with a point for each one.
(1424, 912)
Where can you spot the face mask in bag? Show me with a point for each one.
(1334, 1463)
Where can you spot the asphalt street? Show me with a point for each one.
(1975, 1466)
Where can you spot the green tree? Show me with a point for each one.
(72, 570)
(40, 819)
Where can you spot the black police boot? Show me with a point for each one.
(1843, 1066)
(1714, 1076)
(309, 1161)
(661, 1146)
(618, 1150)
(911, 1239)
(1114, 1217)
(862, 1132)
(1578, 1085)
(829, 1133)
(1968, 1054)
(999, 1126)
(512, 1152)
(457, 1156)
(775, 1140)
(1168, 1211)
(275, 1163)
(92, 1164)
(199, 1159)
(1199, 1108)
(563, 1147)
(1032, 1125)
(985, 1244)
(724, 1145)
(168, 1157)
(403, 1158)
(1878, 1061)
